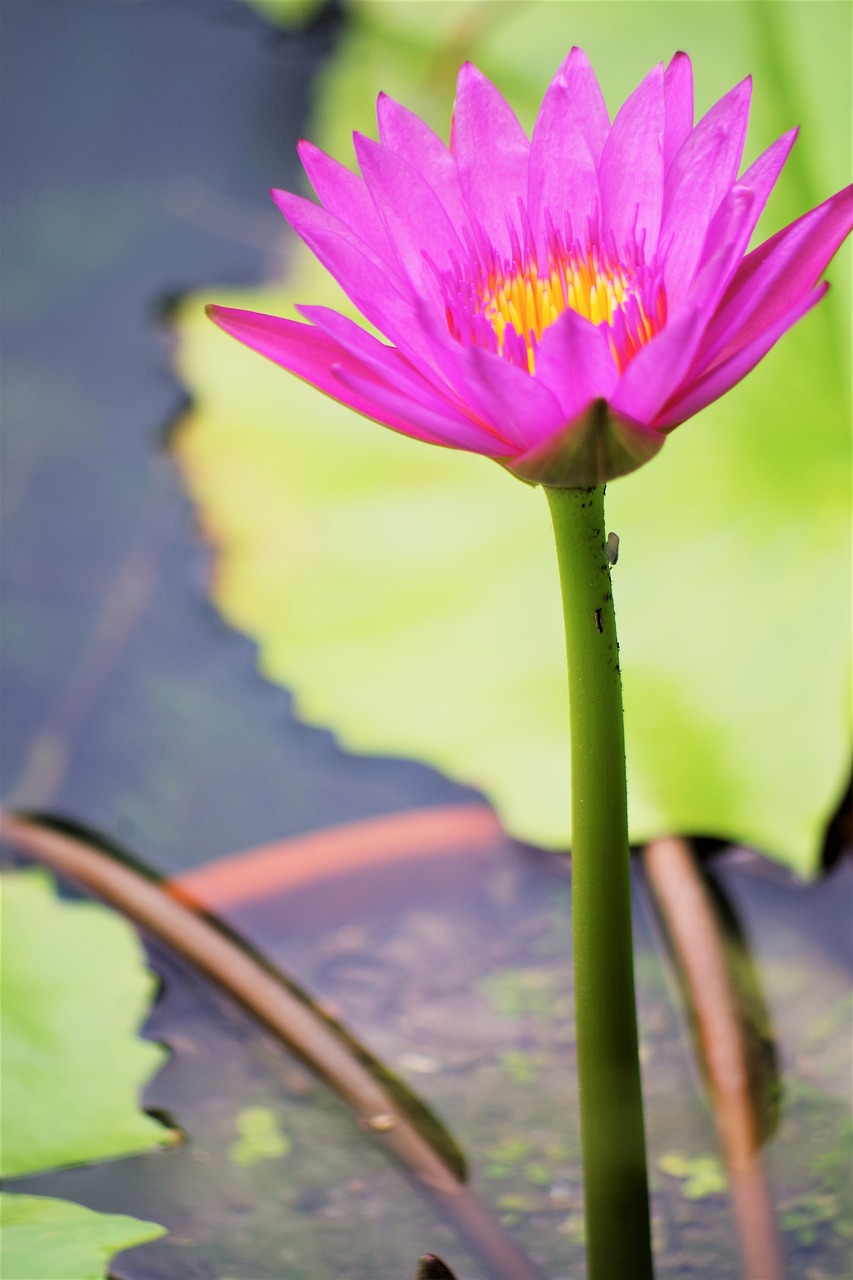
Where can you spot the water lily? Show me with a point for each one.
(558, 303)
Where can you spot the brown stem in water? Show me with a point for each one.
(298, 1024)
(694, 935)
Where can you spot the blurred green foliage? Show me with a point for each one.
(74, 990)
(46, 1239)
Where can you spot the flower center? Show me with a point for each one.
(506, 306)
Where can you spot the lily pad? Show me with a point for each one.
(75, 990)
(46, 1239)
(408, 595)
(261, 1137)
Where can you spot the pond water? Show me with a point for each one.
(453, 967)
(130, 707)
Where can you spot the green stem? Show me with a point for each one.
(611, 1105)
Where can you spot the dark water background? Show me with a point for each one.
(139, 141)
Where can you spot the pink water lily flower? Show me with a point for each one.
(558, 303)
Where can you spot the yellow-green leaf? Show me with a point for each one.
(75, 990)
(45, 1239)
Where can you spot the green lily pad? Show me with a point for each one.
(408, 595)
(45, 1239)
(75, 990)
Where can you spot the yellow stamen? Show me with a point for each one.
(527, 302)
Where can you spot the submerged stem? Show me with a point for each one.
(611, 1107)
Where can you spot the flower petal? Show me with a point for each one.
(319, 359)
(697, 180)
(678, 106)
(412, 213)
(526, 410)
(762, 174)
(631, 171)
(500, 394)
(562, 172)
(776, 275)
(588, 99)
(599, 445)
(722, 253)
(759, 180)
(697, 394)
(574, 361)
(325, 234)
(393, 369)
(491, 152)
(383, 297)
(344, 194)
(659, 368)
(388, 405)
(387, 362)
(401, 131)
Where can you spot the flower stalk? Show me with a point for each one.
(611, 1108)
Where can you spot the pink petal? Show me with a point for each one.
(678, 104)
(413, 215)
(522, 409)
(762, 174)
(562, 172)
(491, 152)
(344, 195)
(700, 175)
(386, 362)
(759, 180)
(383, 297)
(697, 394)
(631, 171)
(588, 99)
(319, 360)
(776, 275)
(388, 405)
(723, 250)
(325, 234)
(401, 131)
(575, 363)
(499, 393)
(659, 368)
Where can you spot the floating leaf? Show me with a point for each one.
(75, 990)
(701, 1177)
(261, 1137)
(409, 595)
(45, 1239)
